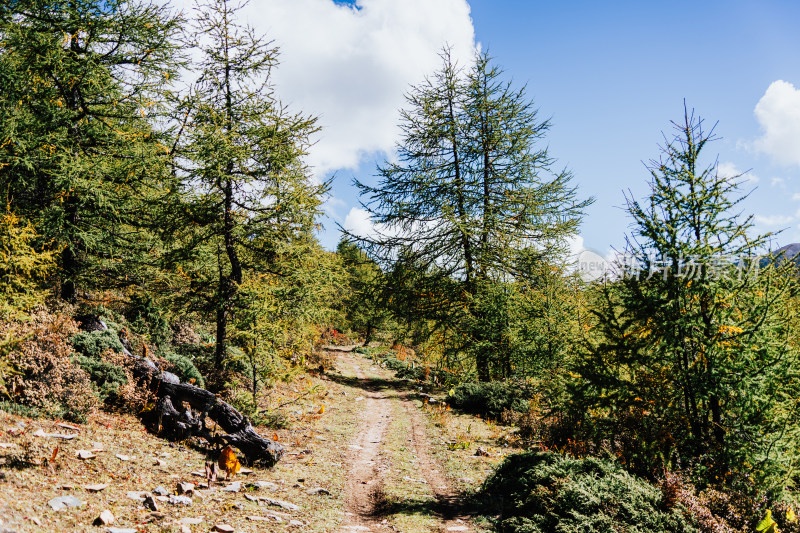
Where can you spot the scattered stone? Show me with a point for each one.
(96, 488)
(136, 495)
(123, 457)
(62, 502)
(223, 528)
(235, 486)
(458, 528)
(85, 454)
(98, 447)
(35, 520)
(150, 502)
(245, 471)
(270, 517)
(185, 488)
(295, 523)
(180, 500)
(481, 452)
(7, 444)
(198, 473)
(162, 498)
(105, 518)
(159, 462)
(185, 529)
(41, 433)
(256, 485)
(160, 491)
(319, 490)
(279, 503)
(157, 516)
(68, 487)
(121, 530)
(190, 521)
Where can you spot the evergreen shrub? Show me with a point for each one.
(538, 492)
(184, 368)
(492, 398)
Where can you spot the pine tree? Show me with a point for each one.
(246, 191)
(79, 80)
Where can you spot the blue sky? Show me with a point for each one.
(611, 75)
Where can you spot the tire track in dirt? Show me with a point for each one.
(449, 508)
(364, 487)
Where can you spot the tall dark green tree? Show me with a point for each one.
(695, 340)
(79, 82)
(364, 303)
(245, 185)
(471, 189)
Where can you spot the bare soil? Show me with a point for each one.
(363, 454)
(365, 499)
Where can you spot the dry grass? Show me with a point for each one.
(317, 457)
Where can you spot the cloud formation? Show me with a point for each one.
(350, 65)
(359, 222)
(730, 171)
(778, 113)
(773, 220)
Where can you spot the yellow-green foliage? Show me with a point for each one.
(767, 524)
(23, 268)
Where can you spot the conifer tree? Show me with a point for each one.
(694, 340)
(245, 185)
(23, 268)
(364, 304)
(79, 80)
(471, 190)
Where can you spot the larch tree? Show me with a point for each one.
(471, 190)
(246, 192)
(694, 341)
(80, 83)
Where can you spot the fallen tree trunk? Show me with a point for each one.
(173, 420)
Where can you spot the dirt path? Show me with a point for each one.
(364, 470)
(367, 462)
(453, 519)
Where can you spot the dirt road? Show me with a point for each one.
(368, 461)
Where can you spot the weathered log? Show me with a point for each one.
(174, 421)
(239, 432)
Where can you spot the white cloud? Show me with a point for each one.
(359, 223)
(773, 220)
(730, 171)
(777, 182)
(575, 243)
(351, 67)
(778, 113)
(331, 206)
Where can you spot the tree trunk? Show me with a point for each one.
(368, 334)
(181, 411)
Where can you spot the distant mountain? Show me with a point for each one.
(790, 252)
